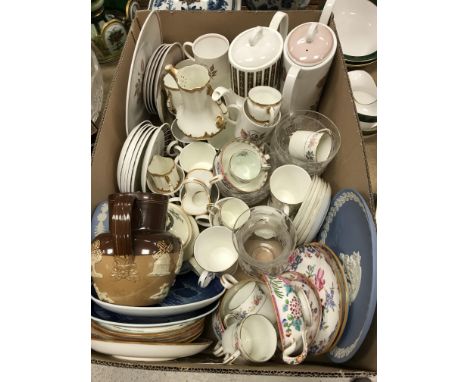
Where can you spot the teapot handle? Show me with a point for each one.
(121, 227)
(288, 89)
(280, 23)
(326, 12)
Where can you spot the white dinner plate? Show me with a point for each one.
(153, 75)
(314, 202)
(147, 78)
(149, 39)
(137, 163)
(319, 213)
(300, 212)
(308, 207)
(172, 56)
(139, 351)
(155, 147)
(127, 167)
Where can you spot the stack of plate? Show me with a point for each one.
(161, 332)
(356, 23)
(349, 230)
(153, 96)
(313, 210)
(145, 141)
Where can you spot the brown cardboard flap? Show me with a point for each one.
(348, 169)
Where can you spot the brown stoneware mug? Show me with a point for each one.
(136, 263)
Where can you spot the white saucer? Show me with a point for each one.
(155, 147)
(320, 214)
(311, 203)
(148, 352)
(138, 162)
(149, 39)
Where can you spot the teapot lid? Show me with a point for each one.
(309, 46)
(256, 48)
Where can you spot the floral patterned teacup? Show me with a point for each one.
(252, 339)
(290, 319)
(310, 302)
(217, 326)
(249, 299)
(320, 267)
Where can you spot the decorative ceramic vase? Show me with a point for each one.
(136, 263)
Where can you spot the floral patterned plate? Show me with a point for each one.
(349, 230)
(148, 41)
(185, 296)
(323, 270)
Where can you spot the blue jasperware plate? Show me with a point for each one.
(107, 317)
(100, 220)
(349, 230)
(185, 296)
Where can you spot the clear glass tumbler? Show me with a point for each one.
(264, 237)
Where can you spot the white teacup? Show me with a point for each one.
(196, 155)
(214, 250)
(246, 165)
(311, 145)
(164, 174)
(224, 212)
(288, 187)
(211, 50)
(264, 104)
(194, 201)
(250, 299)
(253, 339)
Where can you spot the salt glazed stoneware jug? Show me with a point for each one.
(136, 263)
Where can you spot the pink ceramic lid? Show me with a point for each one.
(309, 52)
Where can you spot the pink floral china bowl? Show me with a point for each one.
(290, 319)
(311, 304)
(321, 266)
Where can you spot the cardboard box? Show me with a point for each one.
(348, 169)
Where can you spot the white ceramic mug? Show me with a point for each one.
(311, 145)
(214, 250)
(303, 84)
(263, 104)
(288, 187)
(196, 155)
(164, 174)
(196, 198)
(253, 339)
(224, 212)
(211, 50)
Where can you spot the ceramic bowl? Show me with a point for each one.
(356, 23)
(321, 266)
(290, 320)
(364, 94)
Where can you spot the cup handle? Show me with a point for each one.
(203, 220)
(280, 23)
(205, 279)
(229, 317)
(212, 209)
(218, 350)
(217, 178)
(231, 358)
(288, 89)
(175, 199)
(219, 93)
(272, 115)
(228, 281)
(299, 358)
(184, 49)
(173, 145)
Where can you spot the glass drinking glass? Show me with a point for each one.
(264, 237)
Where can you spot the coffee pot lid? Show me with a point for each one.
(310, 44)
(256, 48)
